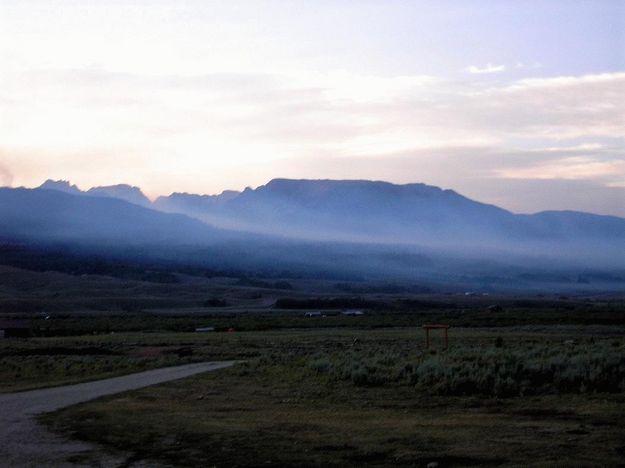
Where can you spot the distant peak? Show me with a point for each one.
(123, 188)
(60, 185)
(125, 192)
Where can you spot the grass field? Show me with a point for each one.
(534, 380)
(374, 397)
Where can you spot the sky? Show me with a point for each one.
(516, 103)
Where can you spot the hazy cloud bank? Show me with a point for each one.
(205, 133)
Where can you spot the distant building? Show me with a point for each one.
(14, 329)
(353, 312)
(204, 329)
(315, 313)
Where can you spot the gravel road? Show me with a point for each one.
(25, 443)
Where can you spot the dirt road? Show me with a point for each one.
(25, 443)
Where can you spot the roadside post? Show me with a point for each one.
(435, 326)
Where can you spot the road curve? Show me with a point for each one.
(25, 443)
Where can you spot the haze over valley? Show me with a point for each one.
(350, 229)
(312, 233)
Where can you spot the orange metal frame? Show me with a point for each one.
(435, 326)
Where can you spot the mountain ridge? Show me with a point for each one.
(65, 185)
(123, 192)
(129, 193)
(414, 232)
(367, 211)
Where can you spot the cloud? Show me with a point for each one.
(573, 148)
(565, 81)
(578, 167)
(521, 65)
(451, 165)
(469, 171)
(489, 68)
(533, 195)
(311, 109)
(557, 108)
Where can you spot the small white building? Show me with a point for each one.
(353, 312)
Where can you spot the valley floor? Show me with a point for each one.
(349, 397)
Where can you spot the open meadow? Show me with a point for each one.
(526, 380)
(540, 395)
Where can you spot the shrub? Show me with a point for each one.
(503, 372)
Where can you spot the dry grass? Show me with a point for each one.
(281, 414)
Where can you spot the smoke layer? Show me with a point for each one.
(6, 177)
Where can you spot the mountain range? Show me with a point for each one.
(122, 191)
(371, 211)
(347, 225)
